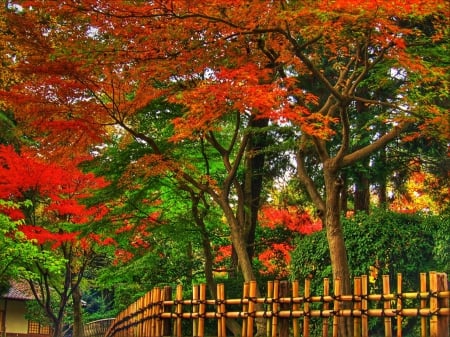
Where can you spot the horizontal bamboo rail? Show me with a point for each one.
(286, 312)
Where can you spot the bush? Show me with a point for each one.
(395, 242)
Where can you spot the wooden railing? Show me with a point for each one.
(97, 328)
(286, 312)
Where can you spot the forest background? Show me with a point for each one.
(164, 142)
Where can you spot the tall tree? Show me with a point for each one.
(55, 222)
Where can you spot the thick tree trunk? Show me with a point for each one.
(335, 237)
(78, 330)
(57, 329)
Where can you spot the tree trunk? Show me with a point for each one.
(57, 329)
(335, 237)
(362, 193)
(253, 181)
(78, 330)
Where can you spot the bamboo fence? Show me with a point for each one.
(286, 312)
(97, 328)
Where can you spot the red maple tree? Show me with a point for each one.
(57, 221)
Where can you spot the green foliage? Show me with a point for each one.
(397, 243)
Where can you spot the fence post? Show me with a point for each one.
(251, 308)
(386, 307)
(221, 310)
(306, 298)
(399, 305)
(269, 295)
(336, 306)
(167, 323)
(202, 310)
(439, 325)
(295, 307)
(423, 304)
(284, 321)
(364, 306)
(245, 295)
(179, 310)
(326, 307)
(195, 296)
(275, 309)
(357, 306)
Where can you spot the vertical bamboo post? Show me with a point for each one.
(162, 296)
(433, 305)
(245, 295)
(423, 304)
(195, 296)
(295, 308)
(386, 307)
(443, 320)
(364, 306)
(179, 310)
(155, 313)
(166, 329)
(151, 307)
(275, 305)
(439, 325)
(399, 305)
(326, 306)
(251, 308)
(357, 290)
(306, 306)
(147, 311)
(269, 321)
(150, 323)
(202, 311)
(336, 305)
(284, 321)
(221, 309)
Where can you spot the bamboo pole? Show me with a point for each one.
(285, 306)
(386, 307)
(251, 308)
(336, 306)
(166, 329)
(146, 327)
(195, 297)
(364, 306)
(221, 309)
(399, 305)
(245, 295)
(157, 312)
(357, 290)
(202, 310)
(269, 297)
(325, 307)
(434, 328)
(423, 304)
(275, 309)
(179, 310)
(306, 307)
(295, 307)
(443, 302)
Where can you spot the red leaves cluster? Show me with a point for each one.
(56, 192)
(291, 218)
(274, 255)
